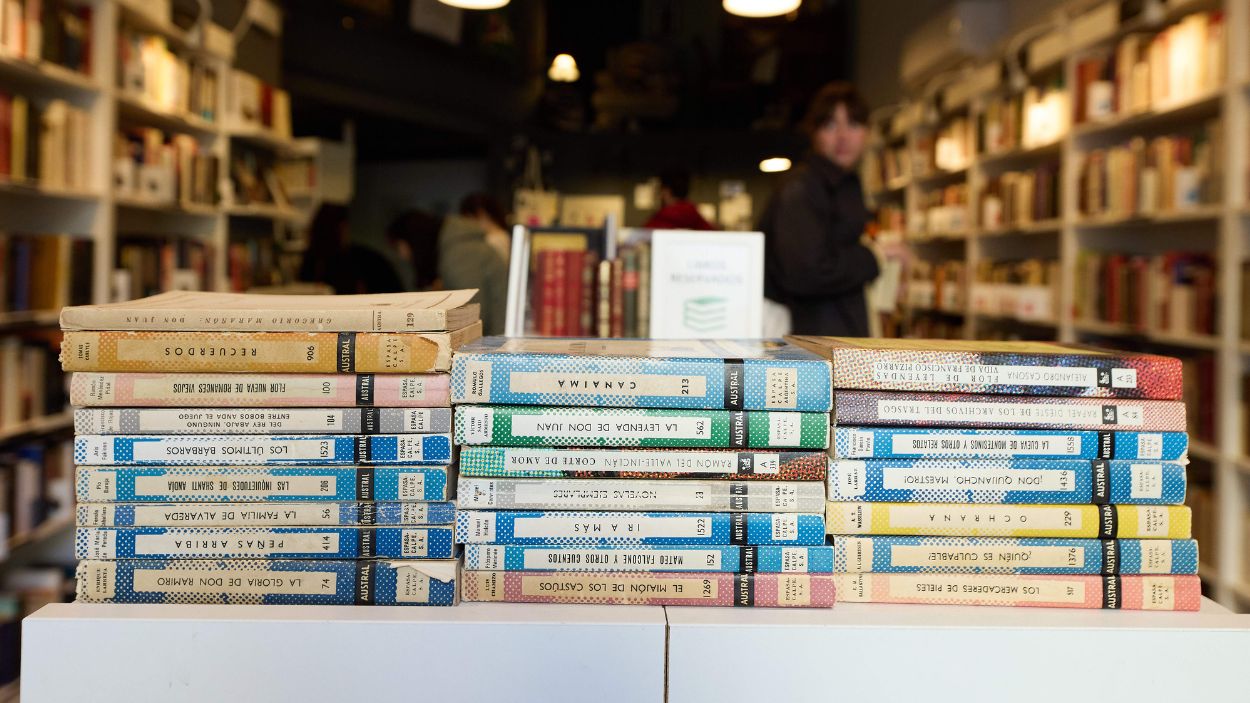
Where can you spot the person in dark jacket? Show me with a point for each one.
(348, 268)
(676, 211)
(816, 261)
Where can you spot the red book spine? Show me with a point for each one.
(573, 293)
(546, 310)
(590, 272)
(618, 299)
(559, 261)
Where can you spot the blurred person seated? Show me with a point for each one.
(489, 213)
(676, 211)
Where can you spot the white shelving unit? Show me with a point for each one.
(1223, 229)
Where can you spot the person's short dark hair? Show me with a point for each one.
(420, 231)
(485, 204)
(827, 100)
(677, 181)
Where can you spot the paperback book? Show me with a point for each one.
(1036, 591)
(312, 514)
(428, 542)
(642, 588)
(622, 528)
(651, 558)
(240, 450)
(520, 462)
(212, 484)
(269, 582)
(696, 374)
(260, 420)
(640, 494)
(855, 408)
(910, 443)
(237, 390)
(1085, 521)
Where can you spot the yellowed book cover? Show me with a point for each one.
(1016, 520)
(264, 352)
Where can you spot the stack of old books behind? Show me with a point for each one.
(1008, 473)
(266, 449)
(647, 472)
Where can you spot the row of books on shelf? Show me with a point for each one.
(943, 211)
(887, 167)
(577, 294)
(258, 105)
(950, 148)
(1019, 198)
(148, 266)
(254, 178)
(936, 285)
(44, 142)
(44, 272)
(164, 79)
(1148, 71)
(1172, 293)
(1199, 395)
(153, 167)
(259, 262)
(1025, 290)
(36, 487)
(31, 384)
(47, 30)
(1156, 175)
(1201, 500)
(1034, 118)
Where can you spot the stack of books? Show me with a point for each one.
(642, 472)
(1026, 474)
(289, 449)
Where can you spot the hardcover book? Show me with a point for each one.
(246, 450)
(269, 582)
(639, 494)
(998, 368)
(528, 426)
(223, 421)
(1006, 481)
(519, 462)
(212, 484)
(642, 588)
(428, 542)
(651, 558)
(1012, 555)
(237, 390)
(696, 374)
(853, 408)
(612, 528)
(179, 311)
(962, 520)
(911, 443)
(1032, 591)
(312, 514)
(264, 352)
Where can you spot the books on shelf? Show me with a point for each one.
(154, 168)
(1153, 175)
(36, 486)
(257, 106)
(43, 143)
(147, 266)
(1020, 198)
(164, 79)
(1170, 293)
(1024, 290)
(937, 285)
(31, 384)
(44, 272)
(1156, 592)
(943, 212)
(1012, 555)
(47, 30)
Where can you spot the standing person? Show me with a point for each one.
(816, 260)
(489, 213)
(676, 211)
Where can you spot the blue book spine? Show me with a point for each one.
(254, 450)
(426, 542)
(1012, 555)
(210, 484)
(650, 558)
(268, 582)
(609, 528)
(310, 514)
(1006, 481)
(914, 443)
(642, 382)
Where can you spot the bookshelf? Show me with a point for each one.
(1216, 226)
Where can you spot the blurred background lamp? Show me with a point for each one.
(776, 164)
(476, 4)
(563, 69)
(760, 8)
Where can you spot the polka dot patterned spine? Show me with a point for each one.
(493, 461)
(610, 528)
(1039, 412)
(427, 542)
(207, 582)
(256, 484)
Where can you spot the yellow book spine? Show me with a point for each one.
(963, 520)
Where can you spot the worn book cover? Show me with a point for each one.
(698, 374)
(1012, 555)
(258, 420)
(426, 542)
(237, 390)
(310, 514)
(245, 450)
(1026, 591)
(639, 494)
(964, 520)
(269, 581)
(547, 462)
(205, 484)
(922, 443)
(999, 368)
(187, 311)
(1006, 481)
(643, 588)
(890, 408)
(652, 558)
(264, 352)
(607, 528)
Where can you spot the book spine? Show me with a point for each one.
(617, 315)
(1041, 412)
(378, 318)
(261, 484)
(427, 542)
(641, 588)
(620, 528)
(905, 443)
(357, 421)
(1032, 591)
(518, 462)
(586, 310)
(639, 495)
(263, 352)
(529, 426)
(260, 450)
(603, 310)
(546, 313)
(558, 283)
(573, 293)
(1009, 555)
(262, 514)
(629, 292)
(996, 373)
(654, 559)
(1006, 481)
(239, 390)
(714, 384)
(644, 289)
(268, 581)
(960, 520)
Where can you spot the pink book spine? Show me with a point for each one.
(246, 390)
(642, 588)
(1041, 412)
(1163, 592)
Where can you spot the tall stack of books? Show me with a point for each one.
(648, 472)
(288, 449)
(1025, 474)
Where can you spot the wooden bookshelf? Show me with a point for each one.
(1220, 229)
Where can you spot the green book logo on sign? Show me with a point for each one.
(705, 314)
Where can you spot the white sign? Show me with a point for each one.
(706, 284)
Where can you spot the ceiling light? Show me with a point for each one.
(563, 69)
(776, 164)
(760, 8)
(476, 4)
